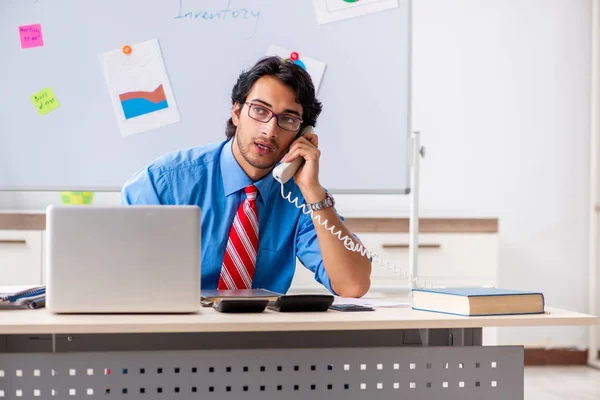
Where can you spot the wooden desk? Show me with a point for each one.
(207, 320)
(387, 354)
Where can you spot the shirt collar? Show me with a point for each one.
(234, 177)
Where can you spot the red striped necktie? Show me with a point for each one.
(240, 256)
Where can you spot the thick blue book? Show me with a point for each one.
(478, 301)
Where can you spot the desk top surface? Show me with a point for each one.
(207, 320)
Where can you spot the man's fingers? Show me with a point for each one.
(291, 155)
(302, 150)
(311, 138)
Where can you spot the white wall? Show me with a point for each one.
(501, 97)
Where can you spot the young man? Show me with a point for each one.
(251, 235)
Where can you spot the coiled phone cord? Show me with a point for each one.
(349, 242)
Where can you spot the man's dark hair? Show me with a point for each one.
(287, 72)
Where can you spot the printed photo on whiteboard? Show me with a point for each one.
(316, 69)
(337, 10)
(139, 87)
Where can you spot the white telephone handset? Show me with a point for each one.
(286, 170)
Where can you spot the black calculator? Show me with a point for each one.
(350, 307)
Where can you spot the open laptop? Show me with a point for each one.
(123, 259)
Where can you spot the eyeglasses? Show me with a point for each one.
(263, 114)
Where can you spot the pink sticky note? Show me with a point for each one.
(31, 36)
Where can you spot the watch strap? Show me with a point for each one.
(323, 204)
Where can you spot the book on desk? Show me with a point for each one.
(482, 301)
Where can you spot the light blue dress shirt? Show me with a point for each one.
(210, 177)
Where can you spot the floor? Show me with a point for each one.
(557, 383)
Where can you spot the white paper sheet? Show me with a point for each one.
(375, 303)
(315, 68)
(139, 88)
(337, 10)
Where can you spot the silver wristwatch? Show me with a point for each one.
(328, 202)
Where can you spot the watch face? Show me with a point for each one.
(330, 199)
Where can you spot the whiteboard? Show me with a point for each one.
(364, 128)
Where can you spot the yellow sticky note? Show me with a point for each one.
(76, 197)
(45, 101)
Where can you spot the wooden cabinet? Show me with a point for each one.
(21, 253)
(452, 251)
(444, 258)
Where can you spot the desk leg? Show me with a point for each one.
(335, 365)
(451, 337)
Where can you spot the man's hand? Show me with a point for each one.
(349, 272)
(307, 176)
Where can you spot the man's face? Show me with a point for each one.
(263, 144)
